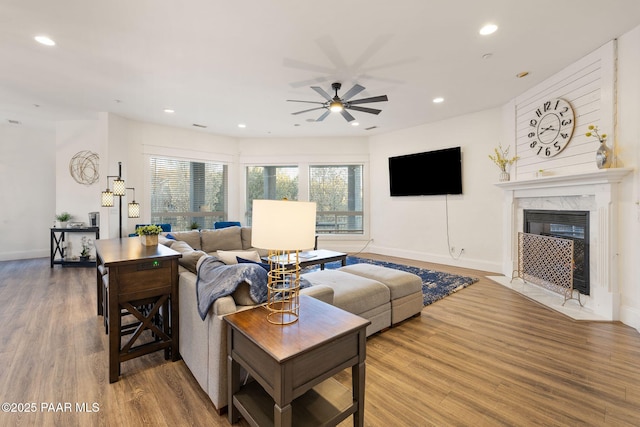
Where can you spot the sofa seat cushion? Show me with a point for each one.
(405, 288)
(352, 293)
(400, 283)
(223, 239)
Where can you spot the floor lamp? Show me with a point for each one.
(284, 228)
(119, 190)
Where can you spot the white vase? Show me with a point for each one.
(504, 176)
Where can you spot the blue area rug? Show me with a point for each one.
(435, 284)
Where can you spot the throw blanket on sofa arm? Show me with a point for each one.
(217, 279)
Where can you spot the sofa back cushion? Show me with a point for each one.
(245, 232)
(189, 257)
(191, 237)
(224, 239)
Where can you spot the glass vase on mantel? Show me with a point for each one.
(504, 176)
(603, 155)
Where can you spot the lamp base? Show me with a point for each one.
(283, 287)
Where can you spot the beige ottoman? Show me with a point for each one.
(405, 288)
(359, 295)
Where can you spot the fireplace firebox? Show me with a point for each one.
(573, 225)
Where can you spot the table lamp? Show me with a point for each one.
(284, 228)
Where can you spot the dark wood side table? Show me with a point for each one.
(139, 275)
(293, 365)
(57, 240)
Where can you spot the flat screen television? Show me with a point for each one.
(426, 174)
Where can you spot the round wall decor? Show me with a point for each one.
(551, 126)
(84, 167)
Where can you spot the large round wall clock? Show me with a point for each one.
(551, 127)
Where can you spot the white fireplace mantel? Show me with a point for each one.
(594, 191)
(601, 176)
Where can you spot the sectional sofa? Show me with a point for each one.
(381, 295)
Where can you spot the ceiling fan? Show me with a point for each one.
(341, 105)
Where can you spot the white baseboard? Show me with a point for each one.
(16, 255)
(630, 316)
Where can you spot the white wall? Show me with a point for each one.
(416, 227)
(628, 151)
(28, 192)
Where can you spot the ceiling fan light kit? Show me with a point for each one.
(341, 105)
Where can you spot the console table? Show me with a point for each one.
(138, 276)
(293, 366)
(57, 245)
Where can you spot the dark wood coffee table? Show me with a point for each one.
(315, 257)
(293, 366)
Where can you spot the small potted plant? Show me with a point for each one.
(62, 219)
(195, 225)
(149, 234)
(502, 160)
(87, 243)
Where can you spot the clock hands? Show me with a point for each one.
(545, 129)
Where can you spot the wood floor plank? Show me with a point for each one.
(483, 356)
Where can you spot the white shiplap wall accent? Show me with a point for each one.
(589, 86)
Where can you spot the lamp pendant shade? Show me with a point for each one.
(134, 210)
(283, 224)
(118, 187)
(107, 198)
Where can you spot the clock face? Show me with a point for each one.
(551, 127)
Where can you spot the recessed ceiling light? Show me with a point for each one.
(355, 124)
(522, 74)
(169, 110)
(438, 100)
(45, 40)
(487, 56)
(488, 29)
(242, 125)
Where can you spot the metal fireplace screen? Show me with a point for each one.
(546, 261)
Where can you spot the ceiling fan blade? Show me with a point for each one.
(308, 102)
(363, 109)
(348, 117)
(322, 93)
(323, 116)
(352, 92)
(306, 111)
(372, 99)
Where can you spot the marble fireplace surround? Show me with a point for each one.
(596, 192)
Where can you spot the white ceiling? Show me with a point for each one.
(221, 63)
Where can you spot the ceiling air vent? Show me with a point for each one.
(371, 128)
(199, 126)
(14, 122)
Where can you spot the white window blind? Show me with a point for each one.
(187, 194)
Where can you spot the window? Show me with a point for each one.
(188, 194)
(337, 191)
(271, 183)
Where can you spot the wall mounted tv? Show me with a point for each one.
(426, 174)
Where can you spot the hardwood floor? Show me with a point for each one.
(483, 356)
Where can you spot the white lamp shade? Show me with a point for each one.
(283, 224)
(107, 198)
(134, 210)
(118, 187)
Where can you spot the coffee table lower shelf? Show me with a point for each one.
(326, 404)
